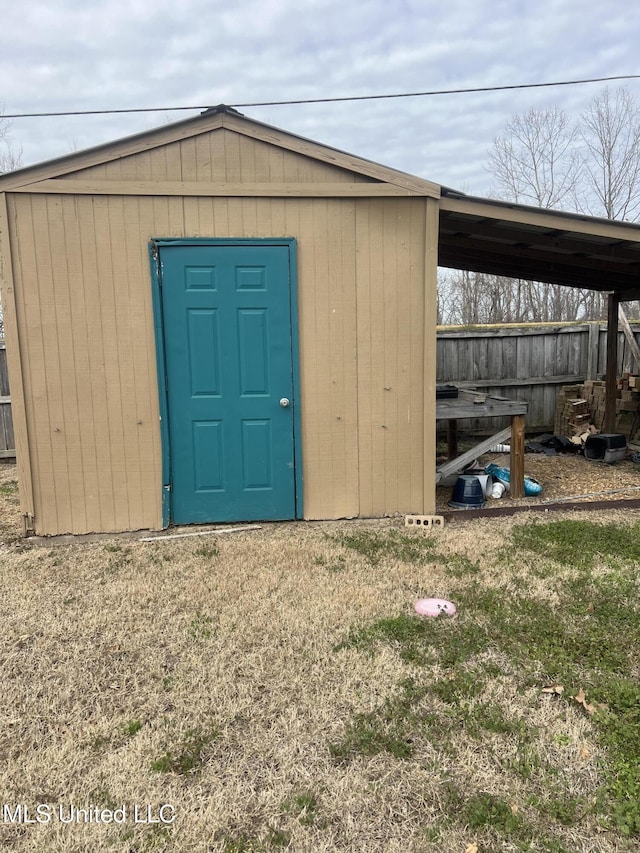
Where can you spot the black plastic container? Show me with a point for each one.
(606, 447)
(446, 392)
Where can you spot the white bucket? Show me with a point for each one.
(497, 490)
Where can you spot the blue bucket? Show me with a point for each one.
(467, 493)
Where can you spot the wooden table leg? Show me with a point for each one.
(516, 476)
(452, 438)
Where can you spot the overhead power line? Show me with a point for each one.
(469, 91)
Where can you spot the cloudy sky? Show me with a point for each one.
(112, 54)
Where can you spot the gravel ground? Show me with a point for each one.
(564, 477)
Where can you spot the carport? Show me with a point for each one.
(518, 241)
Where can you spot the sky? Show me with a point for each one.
(58, 55)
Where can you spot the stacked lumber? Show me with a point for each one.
(628, 405)
(594, 394)
(573, 415)
(576, 401)
(628, 382)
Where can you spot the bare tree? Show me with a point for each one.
(10, 156)
(543, 159)
(468, 298)
(535, 161)
(610, 133)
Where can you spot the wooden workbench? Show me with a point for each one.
(474, 404)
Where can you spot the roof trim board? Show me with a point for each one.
(206, 189)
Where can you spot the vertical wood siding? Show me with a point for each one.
(220, 156)
(390, 300)
(83, 289)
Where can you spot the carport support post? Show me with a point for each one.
(612, 363)
(516, 474)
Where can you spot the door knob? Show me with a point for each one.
(284, 402)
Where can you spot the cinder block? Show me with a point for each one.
(424, 521)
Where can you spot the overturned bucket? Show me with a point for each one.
(467, 493)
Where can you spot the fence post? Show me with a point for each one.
(593, 347)
(612, 362)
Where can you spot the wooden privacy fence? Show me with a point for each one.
(7, 441)
(529, 362)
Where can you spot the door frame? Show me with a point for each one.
(155, 246)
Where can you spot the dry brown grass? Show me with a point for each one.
(118, 653)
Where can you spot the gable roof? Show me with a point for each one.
(211, 120)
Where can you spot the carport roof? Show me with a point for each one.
(517, 241)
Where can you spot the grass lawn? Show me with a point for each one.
(274, 690)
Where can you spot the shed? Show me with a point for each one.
(216, 320)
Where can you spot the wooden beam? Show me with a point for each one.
(451, 227)
(513, 267)
(626, 328)
(473, 405)
(224, 190)
(612, 362)
(539, 252)
(519, 330)
(516, 471)
(630, 294)
(429, 321)
(510, 383)
(455, 465)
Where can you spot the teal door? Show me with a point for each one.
(228, 355)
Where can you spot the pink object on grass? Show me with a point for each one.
(435, 607)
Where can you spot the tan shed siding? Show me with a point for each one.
(84, 292)
(220, 155)
(329, 359)
(390, 294)
(8, 285)
(432, 230)
(90, 379)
